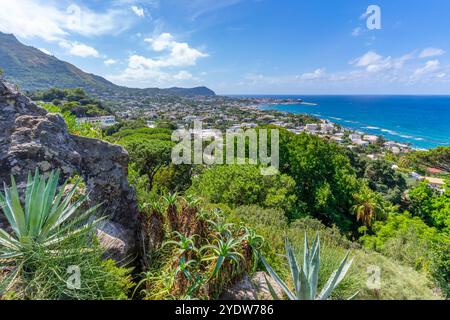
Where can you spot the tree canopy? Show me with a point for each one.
(237, 185)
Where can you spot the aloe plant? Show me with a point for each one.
(171, 201)
(184, 244)
(183, 267)
(221, 251)
(221, 228)
(306, 278)
(47, 218)
(253, 239)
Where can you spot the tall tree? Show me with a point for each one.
(149, 155)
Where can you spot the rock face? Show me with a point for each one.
(31, 138)
(254, 288)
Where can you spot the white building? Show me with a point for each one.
(360, 142)
(337, 139)
(103, 121)
(327, 128)
(311, 127)
(355, 137)
(435, 183)
(370, 138)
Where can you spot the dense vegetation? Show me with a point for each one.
(73, 101)
(205, 225)
(358, 198)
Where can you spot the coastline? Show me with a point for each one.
(267, 106)
(419, 123)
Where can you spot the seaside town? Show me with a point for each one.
(227, 113)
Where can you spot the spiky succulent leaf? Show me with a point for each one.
(335, 278)
(293, 265)
(47, 217)
(277, 279)
(313, 276)
(271, 289)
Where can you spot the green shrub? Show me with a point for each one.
(49, 236)
(398, 281)
(237, 185)
(198, 256)
(412, 242)
(80, 129)
(46, 273)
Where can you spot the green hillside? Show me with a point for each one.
(32, 70)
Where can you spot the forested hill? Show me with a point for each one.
(32, 70)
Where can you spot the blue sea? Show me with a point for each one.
(422, 121)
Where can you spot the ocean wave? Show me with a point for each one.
(404, 136)
(391, 132)
(371, 128)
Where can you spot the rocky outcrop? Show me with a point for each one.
(254, 288)
(31, 138)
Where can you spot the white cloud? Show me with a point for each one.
(143, 71)
(110, 62)
(37, 18)
(198, 8)
(183, 75)
(138, 11)
(180, 54)
(373, 62)
(161, 42)
(317, 74)
(82, 50)
(431, 66)
(431, 52)
(370, 58)
(45, 51)
(79, 49)
(357, 32)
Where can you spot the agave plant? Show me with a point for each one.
(47, 218)
(221, 251)
(306, 278)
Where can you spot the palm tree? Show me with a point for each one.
(368, 206)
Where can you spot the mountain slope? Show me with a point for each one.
(32, 69)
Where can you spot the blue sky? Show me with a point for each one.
(246, 46)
